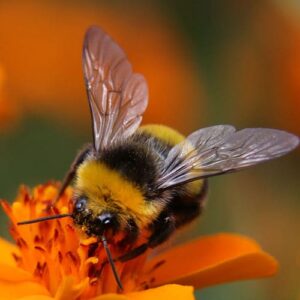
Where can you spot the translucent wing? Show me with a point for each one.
(117, 96)
(219, 149)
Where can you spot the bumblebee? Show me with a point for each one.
(151, 178)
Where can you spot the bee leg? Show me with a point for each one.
(133, 253)
(131, 236)
(72, 170)
(161, 228)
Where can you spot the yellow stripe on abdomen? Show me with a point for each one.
(164, 133)
(171, 137)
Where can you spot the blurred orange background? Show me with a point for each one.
(41, 57)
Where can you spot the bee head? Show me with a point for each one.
(95, 223)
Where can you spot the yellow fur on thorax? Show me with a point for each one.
(106, 189)
(171, 137)
(164, 133)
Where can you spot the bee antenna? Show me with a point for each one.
(111, 262)
(44, 219)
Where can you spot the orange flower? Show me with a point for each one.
(52, 260)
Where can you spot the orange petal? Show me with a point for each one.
(69, 290)
(36, 297)
(111, 297)
(210, 260)
(17, 290)
(13, 274)
(166, 292)
(7, 249)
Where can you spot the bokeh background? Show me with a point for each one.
(206, 62)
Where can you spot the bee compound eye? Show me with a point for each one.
(105, 223)
(105, 219)
(80, 204)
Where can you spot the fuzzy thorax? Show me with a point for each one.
(107, 190)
